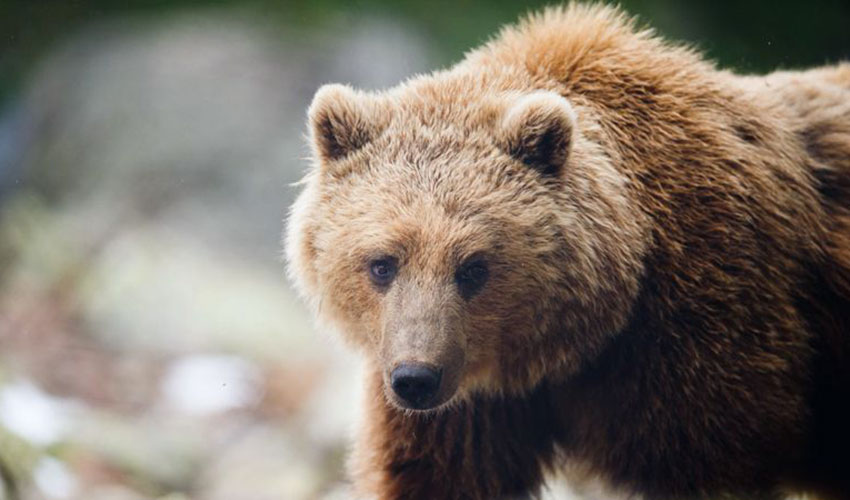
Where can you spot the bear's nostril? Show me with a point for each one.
(416, 384)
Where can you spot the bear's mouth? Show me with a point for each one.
(418, 407)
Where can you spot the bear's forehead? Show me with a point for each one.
(419, 191)
(454, 180)
(461, 173)
(414, 148)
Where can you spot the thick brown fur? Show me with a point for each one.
(668, 304)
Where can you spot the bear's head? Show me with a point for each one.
(465, 239)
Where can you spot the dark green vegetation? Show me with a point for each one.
(746, 35)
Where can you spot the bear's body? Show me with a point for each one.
(608, 252)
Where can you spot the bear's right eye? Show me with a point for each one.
(471, 276)
(383, 270)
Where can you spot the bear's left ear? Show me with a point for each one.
(538, 131)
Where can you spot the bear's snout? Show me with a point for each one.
(416, 384)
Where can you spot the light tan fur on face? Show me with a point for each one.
(433, 190)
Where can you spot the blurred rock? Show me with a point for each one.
(197, 120)
(114, 492)
(206, 384)
(33, 415)
(54, 479)
(152, 454)
(264, 464)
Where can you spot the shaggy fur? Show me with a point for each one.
(668, 300)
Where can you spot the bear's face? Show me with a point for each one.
(462, 247)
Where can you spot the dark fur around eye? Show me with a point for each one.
(382, 270)
(471, 277)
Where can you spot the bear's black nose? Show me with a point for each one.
(416, 384)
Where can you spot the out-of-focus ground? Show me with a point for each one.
(150, 346)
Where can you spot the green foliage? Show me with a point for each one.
(746, 35)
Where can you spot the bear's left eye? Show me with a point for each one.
(383, 270)
(471, 276)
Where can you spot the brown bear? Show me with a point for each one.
(586, 248)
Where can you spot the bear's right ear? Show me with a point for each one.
(342, 121)
(538, 131)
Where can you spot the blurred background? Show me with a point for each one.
(150, 345)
